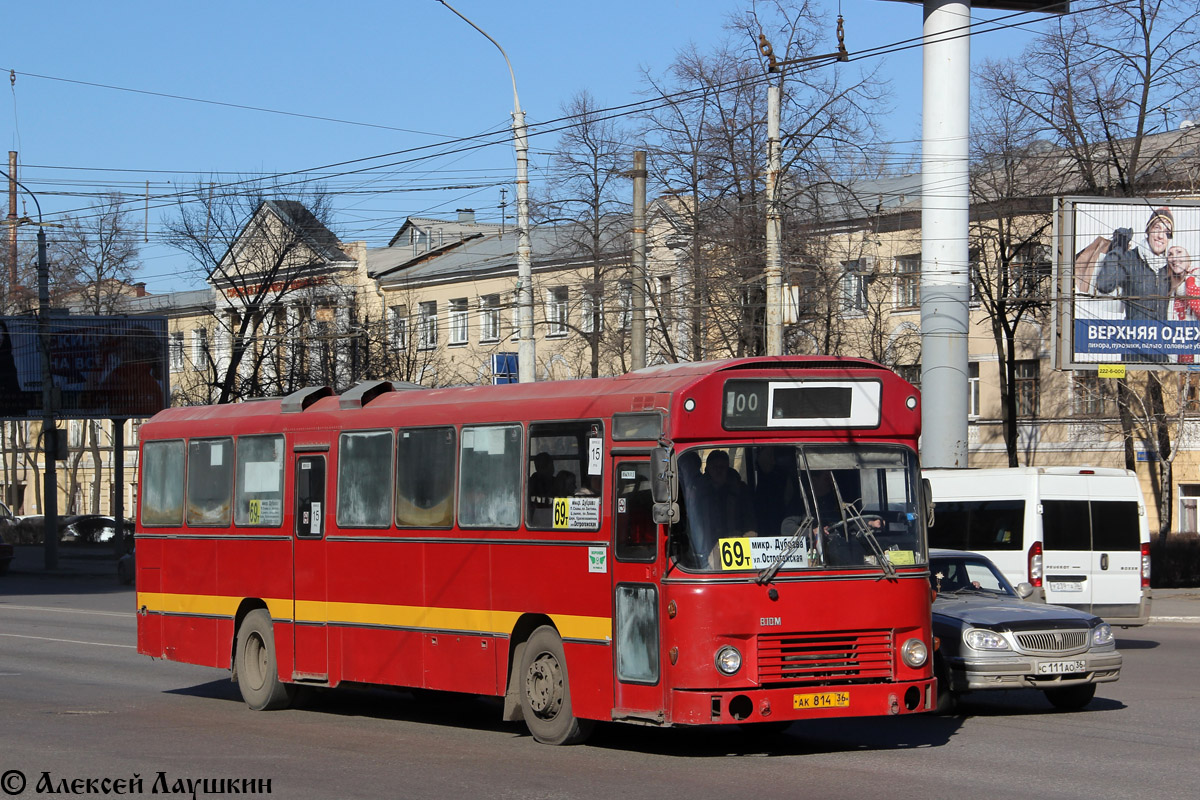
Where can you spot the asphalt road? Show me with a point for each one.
(78, 703)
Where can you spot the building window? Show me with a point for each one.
(853, 288)
(199, 348)
(556, 311)
(1089, 395)
(1025, 389)
(1189, 507)
(908, 281)
(489, 318)
(625, 304)
(973, 389)
(458, 321)
(591, 312)
(398, 327)
(176, 351)
(427, 332)
(663, 299)
(910, 373)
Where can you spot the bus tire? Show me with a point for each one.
(946, 700)
(256, 667)
(1071, 698)
(546, 693)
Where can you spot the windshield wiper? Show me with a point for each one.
(863, 531)
(768, 573)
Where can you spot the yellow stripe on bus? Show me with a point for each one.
(570, 626)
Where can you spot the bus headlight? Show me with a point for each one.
(914, 652)
(729, 660)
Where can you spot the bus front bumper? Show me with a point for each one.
(753, 704)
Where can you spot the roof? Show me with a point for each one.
(311, 230)
(552, 245)
(444, 228)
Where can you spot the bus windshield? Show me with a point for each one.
(768, 508)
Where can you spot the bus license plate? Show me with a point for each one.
(821, 700)
(1060, 667)
(1066, 586)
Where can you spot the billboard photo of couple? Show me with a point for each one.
(1136, 283)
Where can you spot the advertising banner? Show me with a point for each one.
(1133, 271)
(106, 367)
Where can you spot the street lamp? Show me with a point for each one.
(50, 438)
(526, 349)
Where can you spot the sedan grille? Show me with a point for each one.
(1052, 641)
(825, 657)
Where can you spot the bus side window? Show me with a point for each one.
(162, 483)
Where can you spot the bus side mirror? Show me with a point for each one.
(663, 480)
(927, 495)
(665, 513)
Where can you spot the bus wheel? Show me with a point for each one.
(947, 702)
(545, 691)
(1071, 698)
(257, 670)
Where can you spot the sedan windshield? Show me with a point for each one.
(781, 507)
(954, 575)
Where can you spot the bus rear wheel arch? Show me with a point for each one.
(256, 668)
(545, 691)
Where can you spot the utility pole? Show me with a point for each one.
(12, 224)
(773, 266)
(637, 323)
(526, 348)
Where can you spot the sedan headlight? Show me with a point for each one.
(985, 640)
(1102, 634)
(914, 652)
(729, 660)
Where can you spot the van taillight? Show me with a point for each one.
(1145, 565)
(1035, 565)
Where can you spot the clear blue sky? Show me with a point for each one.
(408, 72)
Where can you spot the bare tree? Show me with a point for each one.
(1096, 84)
(589, 189)
(285, 316)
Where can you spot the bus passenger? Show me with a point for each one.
(564, 483)
(731, 503)
(776, 492)
(541, 482)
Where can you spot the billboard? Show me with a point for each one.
(1128, 283)
(107, 367)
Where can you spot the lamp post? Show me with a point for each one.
(526, 348)
(50, 438)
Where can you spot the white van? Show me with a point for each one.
(1078, 534)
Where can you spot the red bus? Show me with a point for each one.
(733, 542)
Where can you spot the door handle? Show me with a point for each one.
(1104, 561)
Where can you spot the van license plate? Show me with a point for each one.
(1060, 667)
(1066, 586)
(821, 700)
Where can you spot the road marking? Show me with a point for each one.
(1191, 620)
(67, 641)
(72, 611)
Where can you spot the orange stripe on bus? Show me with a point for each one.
(570, 626)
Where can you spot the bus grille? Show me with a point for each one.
(1052, 641)
(825, 657)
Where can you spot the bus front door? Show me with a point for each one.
(637, 601)
(311, 639)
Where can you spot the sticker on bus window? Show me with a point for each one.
(760, 552)
(597, 559)
(577, 512)
(901, 558)
(595, 455)
(316, 519)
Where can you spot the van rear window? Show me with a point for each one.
(978, 524)
(1066, 525)
(1115, 525)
